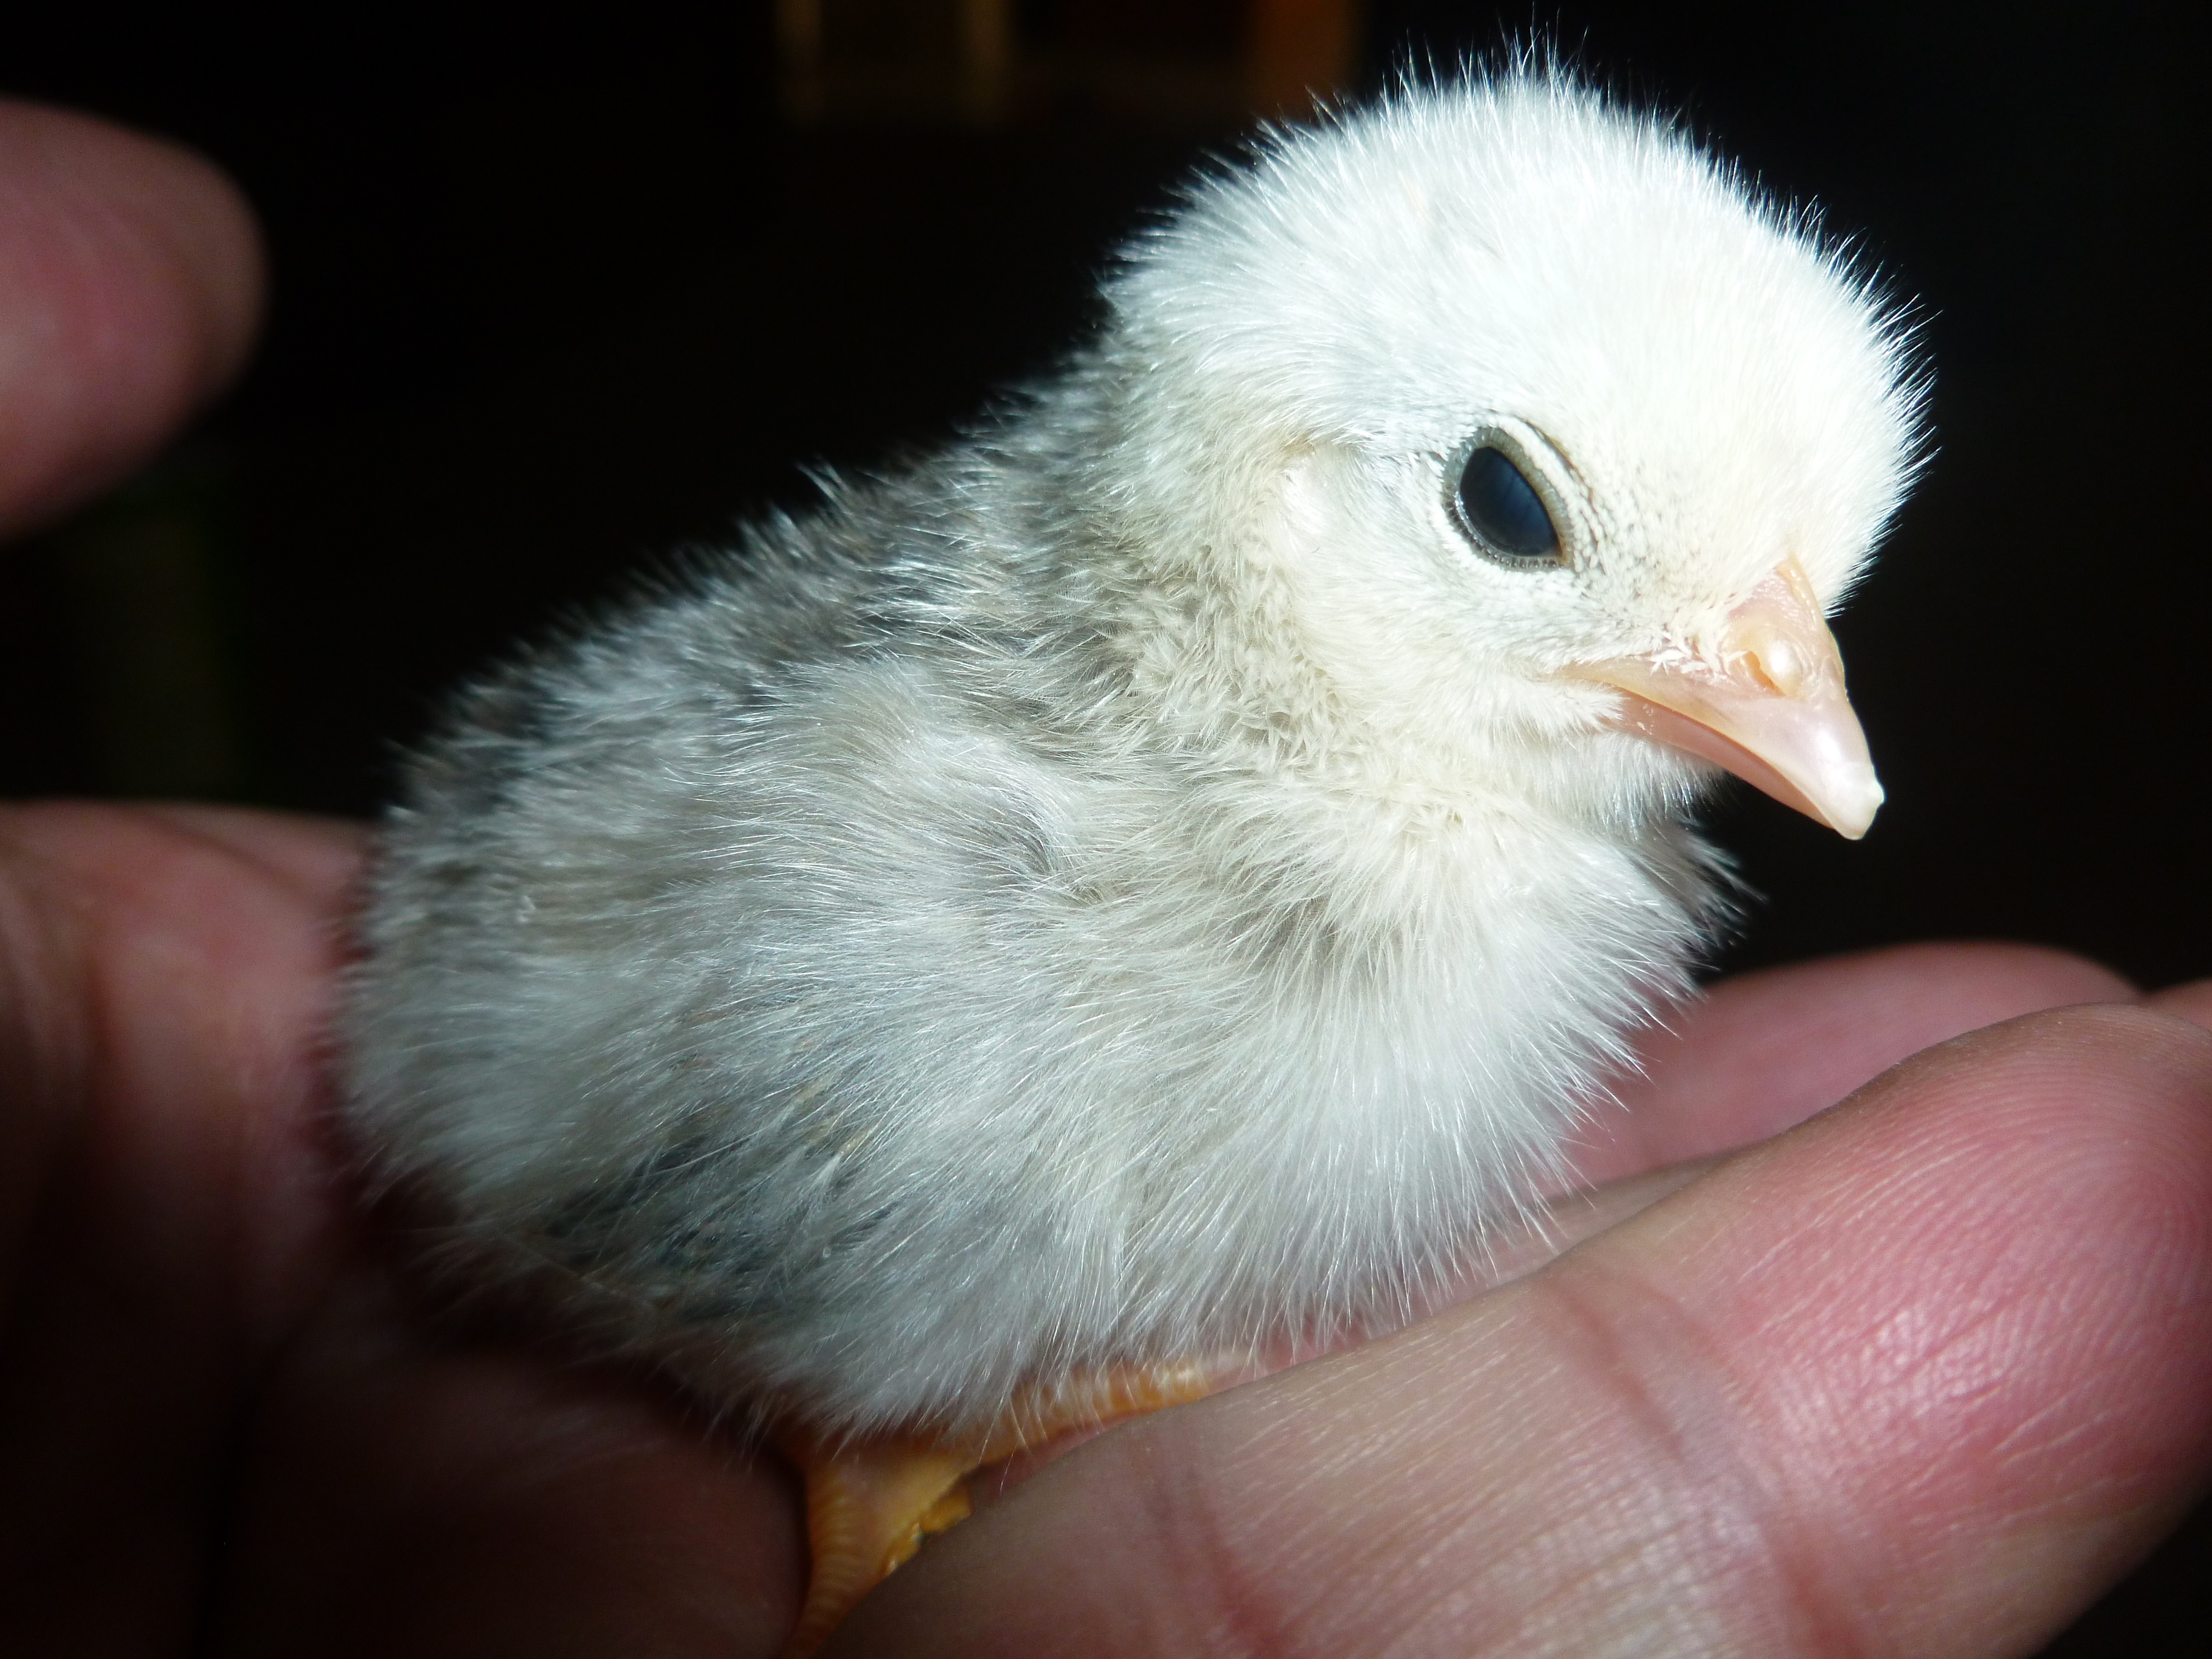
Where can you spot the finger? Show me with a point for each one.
(1919, 1377)
(405, 1496)
(162, 1005)
(158, 980)
(130, 289)
(2192, 1002)
(1766, 1050)
(319, 858)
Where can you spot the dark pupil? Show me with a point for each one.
(1503, 510)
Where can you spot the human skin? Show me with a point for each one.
(1917, 1372)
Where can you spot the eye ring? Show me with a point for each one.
(1506, 504)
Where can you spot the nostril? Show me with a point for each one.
(1780, 664)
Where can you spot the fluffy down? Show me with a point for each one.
(1137, 883)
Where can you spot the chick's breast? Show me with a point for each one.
(812, 1000)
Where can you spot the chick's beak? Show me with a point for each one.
(1764, 698)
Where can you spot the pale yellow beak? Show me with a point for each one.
(1764, 699)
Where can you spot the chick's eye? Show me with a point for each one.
(1501, 506)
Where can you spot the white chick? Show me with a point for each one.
(1167, 872)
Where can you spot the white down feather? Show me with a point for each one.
(1132, 886)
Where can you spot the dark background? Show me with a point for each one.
(556, 294)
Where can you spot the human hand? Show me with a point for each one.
(1922, 1374)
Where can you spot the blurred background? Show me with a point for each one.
(559, 291)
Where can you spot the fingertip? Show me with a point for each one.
(131, 289)
(1764, 1051)
(1962, 1324)
(2191, 1001)
(2047, 1248)
(2118, 1077)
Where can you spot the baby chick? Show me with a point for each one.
(1163, 874)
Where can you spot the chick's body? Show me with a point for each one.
(1150, 878)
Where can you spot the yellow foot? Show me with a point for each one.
(871, 1503)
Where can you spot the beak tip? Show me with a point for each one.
(1853, 815)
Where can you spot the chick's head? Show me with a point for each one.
(1521, 433)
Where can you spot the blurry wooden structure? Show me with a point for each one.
(983, 62)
